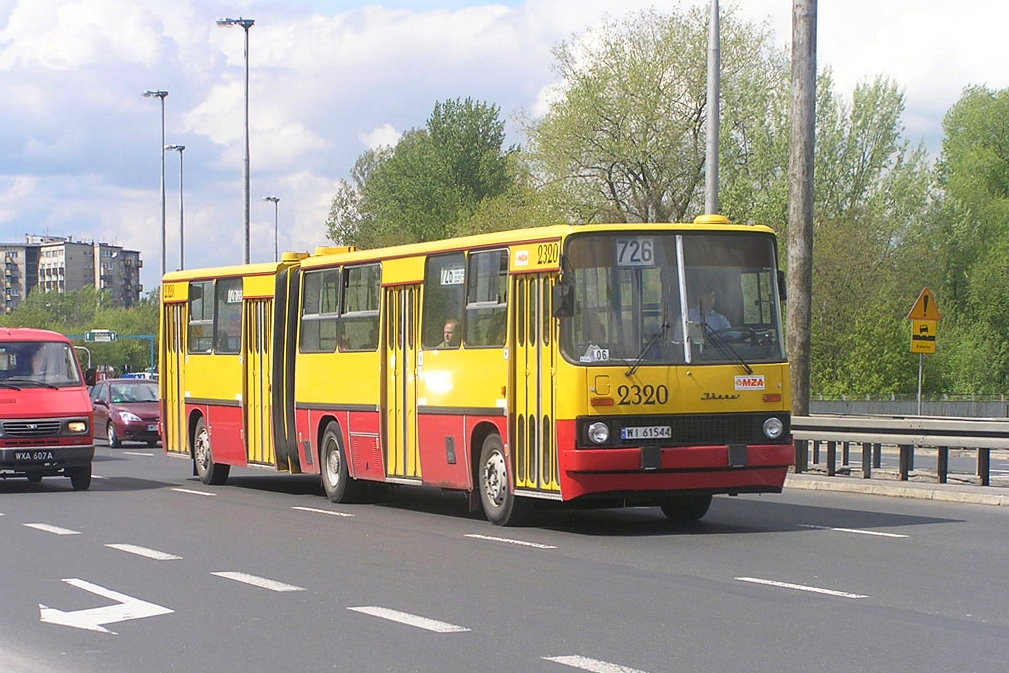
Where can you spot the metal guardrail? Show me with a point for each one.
(907, 432)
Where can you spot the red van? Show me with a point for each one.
(45, 412)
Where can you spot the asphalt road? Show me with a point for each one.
(265, 574)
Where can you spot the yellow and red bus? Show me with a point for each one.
(632, 364)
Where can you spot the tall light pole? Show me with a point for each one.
(246, 24)
(157, 93)
(276, 210)
(182, 246)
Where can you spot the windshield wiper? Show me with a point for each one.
(8, 384)
(663, 328)
(725, 349)
(20, 381)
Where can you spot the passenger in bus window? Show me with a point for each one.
(451, 334)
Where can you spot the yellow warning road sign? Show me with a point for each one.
(923, 336)
(924, 308)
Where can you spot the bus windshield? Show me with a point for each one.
(630, 290)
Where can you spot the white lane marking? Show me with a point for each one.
(322, 511)
(261, 582)
(522, 543)
(409, 620)
(593, 665)
(137, 453)
(852, 530)
(144, 551)
(801, 587)
(56, 530)
(192, 492)
(126, 607)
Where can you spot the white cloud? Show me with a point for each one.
(385, 135)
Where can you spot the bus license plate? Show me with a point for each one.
(647, 432)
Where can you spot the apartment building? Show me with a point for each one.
(57, 264)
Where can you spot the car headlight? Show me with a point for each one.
(773, 427)
(598, 432)
(77, 426)
(129, 416)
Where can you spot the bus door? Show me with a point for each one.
(533, 445)
(256, 381)
(400, 376)
(173, 419)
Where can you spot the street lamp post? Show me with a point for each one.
(157, 93)
(182, 247)
(246, 24)
(276, 210)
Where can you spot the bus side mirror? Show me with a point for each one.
(782, 291)
(89, 377)
(563, 299)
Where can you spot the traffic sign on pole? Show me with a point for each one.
(100, 336)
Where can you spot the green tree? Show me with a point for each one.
(626, 132)
(430, 184)
(872, 197)
(969, 235)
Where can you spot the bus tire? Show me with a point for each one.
(210, 473)
(80, 477)
(686, 508)
(500, 505)
(336, 480)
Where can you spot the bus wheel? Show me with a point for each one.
(686, 508)
(335, 477)
(210, 473)
(80, 477)
(500, 505)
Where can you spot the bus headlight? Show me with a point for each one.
(598, 433)
(77, 426)
(773, 427)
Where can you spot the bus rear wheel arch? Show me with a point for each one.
(209, 472)
(336, 479)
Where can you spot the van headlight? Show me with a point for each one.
(77, 427)
(773, 427)
(598, 433)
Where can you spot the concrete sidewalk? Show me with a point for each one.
(952, 492)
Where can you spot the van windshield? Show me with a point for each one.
(43, 363)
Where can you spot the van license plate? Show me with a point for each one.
(647, 432)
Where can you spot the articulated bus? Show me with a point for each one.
(627, 364)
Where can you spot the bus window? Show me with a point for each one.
(201, 317)
(444, 282)
(359, 321)
(228, 318)
(486, 299)
(320, 305)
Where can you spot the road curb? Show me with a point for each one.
(897, 490)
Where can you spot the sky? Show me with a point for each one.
(80, 147)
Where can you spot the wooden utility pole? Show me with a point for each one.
(800, 205)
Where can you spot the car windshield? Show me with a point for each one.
(134, 391)
(38, 363)
(629, 290)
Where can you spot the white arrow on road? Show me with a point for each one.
(92, 619)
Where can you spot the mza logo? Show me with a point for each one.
(750, 382)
